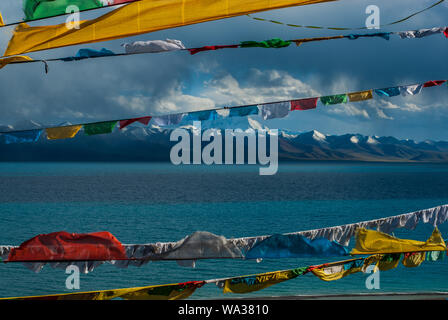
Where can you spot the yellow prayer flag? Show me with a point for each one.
(360, 95)
(152, 294)
(334, 272)
(138, 18)
(6, 61)
(414, 259)
(382, 262)
(372, 242)
(258, 282)
(90, 295)
(159, 292)
(1, 20)
(62, 132)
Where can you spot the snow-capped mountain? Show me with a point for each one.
(152, 143)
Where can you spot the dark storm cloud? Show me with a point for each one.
(83, 89)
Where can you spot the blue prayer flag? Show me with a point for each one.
(22, 136)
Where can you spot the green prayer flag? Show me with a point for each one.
(299, 271)
(38, 9)
(273, 43)
(99, 127)
(338, 98)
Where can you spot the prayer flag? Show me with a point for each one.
(89, 53)
(360, 96)
(273, 43)
(413, 259)
(69, 246)
(372, 242)
(22, 136)
(138, 18)
(304, 104)
(243, 111)
(336, 272)
(411, 89)
(153, 46)
(335, 99)
(142, 120)
(65, 132)
(6, 61)
(295, 246)
(388, 92)
(202, 115)
(260, 281)
(382, 262)
(274, 110)
(433, 83)
(161, 292)
(207, 48)
(99, 127)
(420, 33)
(384, 35)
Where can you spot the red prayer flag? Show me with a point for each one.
(446, 35)
(64, 246)
(143, 120)
(304, 104)
(206, 48)
(433, 83)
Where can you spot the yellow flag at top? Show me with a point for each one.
(138, 18)
(6, 61)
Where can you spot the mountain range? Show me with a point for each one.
(152, 143)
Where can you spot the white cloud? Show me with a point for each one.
(348, 109)
(380, 113)
(174, 101)
(260, 86)
(137, 103)
(411, 107)
(384, 104)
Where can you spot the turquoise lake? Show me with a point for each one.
(151, 202)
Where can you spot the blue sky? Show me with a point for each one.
(121, 87)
